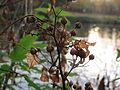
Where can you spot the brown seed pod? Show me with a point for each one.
(79, 88)
(78, 25)
(50, 48)
(52, 70)
(53, 2)
(65, 73)
(64, 20)
(65, 51)
(70, 83)
(50, 28)
(76, 42)
(73, 32)
(88, 86)
(44, 69)
(33, 51)
(66, 43)
(55, 78)
(38, 26)
(75, 86)
(81, 53)
(73, 51)
(30, 19)
(91, 57)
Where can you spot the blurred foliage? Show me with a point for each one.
(96, 6)
(22, 48)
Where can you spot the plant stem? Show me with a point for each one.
(58, 49)
(60, 68)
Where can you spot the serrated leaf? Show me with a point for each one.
(31, 83)
(40, 45)
(73, 74)
(22, 48)
(24, 67)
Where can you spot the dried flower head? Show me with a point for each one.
(78, 25)
(44, 77)
(91, 57)
(73, 51)
(50, 48)
(64, 20)
(70, 83)
(88, 86)
(73, 32)
(31, 19)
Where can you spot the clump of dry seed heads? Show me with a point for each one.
(59, 39)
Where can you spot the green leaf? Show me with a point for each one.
(40, 16)
(4, 68)
(40, 45)
(44, 25)
(24, 67)
(65, 13)
(3, 53)
(31, 83)
(22, 48)
(41, 10)
(67, 86)
(118, 54)
(36, 69)
(42, 61)
(73, 74)
(73, 38)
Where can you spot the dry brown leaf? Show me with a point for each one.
(82, 44)
(87, 53)
(32, 60)
(92, 44)
(44, 77)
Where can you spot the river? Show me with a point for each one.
(105, 52)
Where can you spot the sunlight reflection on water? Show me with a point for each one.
(104, 51)
(105, 55)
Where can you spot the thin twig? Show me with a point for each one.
(51, 57)
(45, 57)
(71, 68)
(53, 64)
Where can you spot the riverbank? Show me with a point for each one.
(93, 18)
